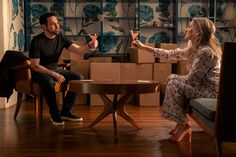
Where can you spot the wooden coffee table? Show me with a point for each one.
(115, 87)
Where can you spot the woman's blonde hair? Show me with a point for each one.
(204, 34)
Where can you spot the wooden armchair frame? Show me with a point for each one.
(24, 85)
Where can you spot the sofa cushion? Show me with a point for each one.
(206, 106)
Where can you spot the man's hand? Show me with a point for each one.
(60, 78)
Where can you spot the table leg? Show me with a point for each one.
(114, 115)
(108, 108)
(114, 107)
(122, 112)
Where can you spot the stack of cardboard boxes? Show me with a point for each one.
(142, 66)
(111, 71)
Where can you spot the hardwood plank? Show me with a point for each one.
(28, 137)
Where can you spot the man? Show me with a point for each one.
(45, 50)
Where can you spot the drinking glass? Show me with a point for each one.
(93, 36)
(134, 34)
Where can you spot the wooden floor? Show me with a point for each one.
(28, 137)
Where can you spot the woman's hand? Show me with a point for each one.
(137, 44)
(93, 44)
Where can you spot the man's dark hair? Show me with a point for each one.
(43, 20)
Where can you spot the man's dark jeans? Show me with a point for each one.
(47, 83)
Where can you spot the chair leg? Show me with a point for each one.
(41, 107)
(36, 102)
(18, 104)
(218, 147)
(38, 106)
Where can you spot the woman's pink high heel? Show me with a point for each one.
(181, 133)
(173, 131)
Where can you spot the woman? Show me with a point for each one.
(203, 55)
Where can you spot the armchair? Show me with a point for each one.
(217, 116)
(24, 84)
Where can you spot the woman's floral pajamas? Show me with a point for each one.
(201, 81)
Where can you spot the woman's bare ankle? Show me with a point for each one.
(184, 126)
(188, 124)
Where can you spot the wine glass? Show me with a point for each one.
(134, 34)
(93, 36)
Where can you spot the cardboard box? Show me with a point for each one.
(167, 46)
(114, 71)
(96, 100)
(148, 99)
(100, 59)
(118, 71)
(165, 60)
(128, 71)
(144, 71)
(101, 71)
(162, 71)
(80, 65)
(140, 56)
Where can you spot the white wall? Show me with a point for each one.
(2, 27)
(10, 24)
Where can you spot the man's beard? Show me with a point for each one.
(56, 32)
